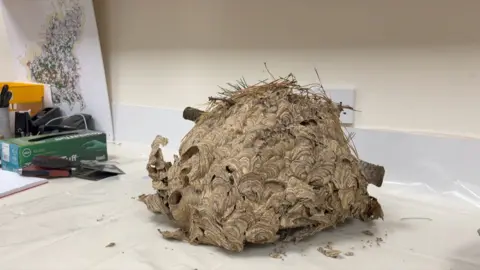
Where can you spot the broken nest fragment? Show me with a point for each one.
(263, 163)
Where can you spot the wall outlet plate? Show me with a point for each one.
(344, 94)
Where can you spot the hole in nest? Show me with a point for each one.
(164, 180)
(185, 171)
(229, 170)
(186, 180)
(175, 198)
(346, 161)
(190, 153)
(309, 122)
(232, 181)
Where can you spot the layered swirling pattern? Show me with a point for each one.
(271, 163)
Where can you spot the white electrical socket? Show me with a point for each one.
(344, 94)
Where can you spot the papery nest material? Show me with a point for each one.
(264, 162)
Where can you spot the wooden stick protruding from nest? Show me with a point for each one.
(192, 114)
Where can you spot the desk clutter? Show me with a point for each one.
(47, 145)
(77, 145)
(55, 167)
(22, 98)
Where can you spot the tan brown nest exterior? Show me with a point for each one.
(263, 163)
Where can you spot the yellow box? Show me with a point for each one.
(25, 92)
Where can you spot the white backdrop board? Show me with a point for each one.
(56, 42)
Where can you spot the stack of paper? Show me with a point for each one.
(11, 183)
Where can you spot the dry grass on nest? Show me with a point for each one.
(288, 85)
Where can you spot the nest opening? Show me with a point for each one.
(175, 198)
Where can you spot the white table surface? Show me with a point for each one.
(67, 224)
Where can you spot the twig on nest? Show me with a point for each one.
(319, 80)
(343, 107)
(271, 75)
(226, 100)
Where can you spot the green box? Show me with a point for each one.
(79, 145)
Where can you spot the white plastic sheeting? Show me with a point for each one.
(446, 166)
(68, 223)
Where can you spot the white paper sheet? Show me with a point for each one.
(11, 183)
(68, 223)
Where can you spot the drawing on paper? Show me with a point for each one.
(55, 62)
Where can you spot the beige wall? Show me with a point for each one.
(6, 59)
(415, 64)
